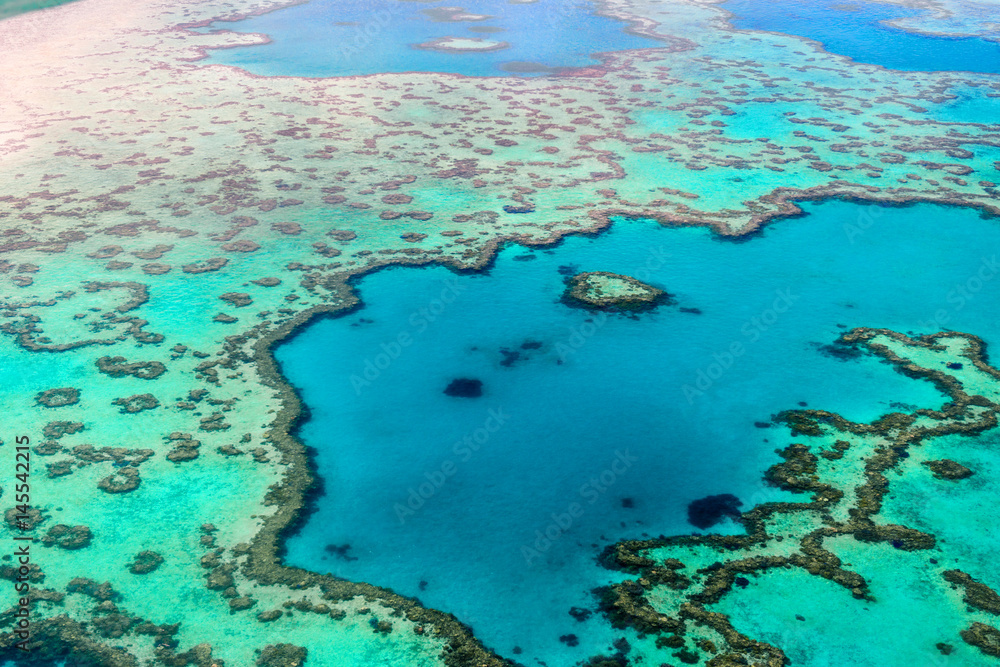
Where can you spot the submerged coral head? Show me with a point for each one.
(465, 388)
(710, 510)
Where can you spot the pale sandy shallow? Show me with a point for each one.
(462, 45)
(956, 18)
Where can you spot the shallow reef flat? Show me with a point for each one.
(601, 290)
(10, 8)
(164, 223)
(953, 18)
(844, 537)
(462, 44)
(871, 33)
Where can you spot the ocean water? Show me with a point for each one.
(911, 615)
(860, 31)
(958, 518)
(10, 8)
(327, 38)
(594, 428)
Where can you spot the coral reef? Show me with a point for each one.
(839, 452)
(600, 290)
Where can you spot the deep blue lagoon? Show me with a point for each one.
(860, 30)
(327, 38)
(631, 418)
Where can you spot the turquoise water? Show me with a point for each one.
(858, 30)
(911, 615)
(630, 419)
(10, 8)
(327, 38)
(957, 519)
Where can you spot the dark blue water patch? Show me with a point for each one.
(858, 29)
(327, 38)
(494, 507)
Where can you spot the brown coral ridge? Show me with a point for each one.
(85, 455)
(783, 203)
(136, 403)
(29, 335)
(985, 637)
(282, 655)
(185, 448)
(462, 648)
(145, 562)
(123, 480)
(626, 605)
(119, 367)
(58, 397)
(977, 594)
(56, 637)
(948, 469)
(138, 292)
(582, 292)
(68, 537)
(291, 499)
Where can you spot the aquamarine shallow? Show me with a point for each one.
(357, 37)
(666, 395)
(860, 30)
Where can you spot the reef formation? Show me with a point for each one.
(164, 224)
(462, 45)
(844, 468)
(601, 290)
